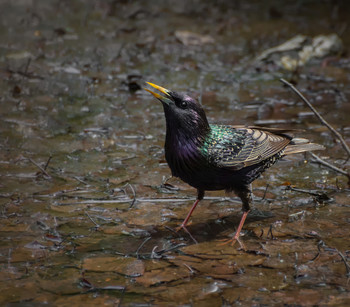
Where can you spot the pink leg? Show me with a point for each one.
(184, 223)
(240, 226)
(238, 231)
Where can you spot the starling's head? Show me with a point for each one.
(181, 111)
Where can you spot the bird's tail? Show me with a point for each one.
(298, 145)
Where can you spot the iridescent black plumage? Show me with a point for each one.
(217, 157)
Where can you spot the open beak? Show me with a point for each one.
(166, 99)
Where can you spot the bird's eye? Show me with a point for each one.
(183, 104)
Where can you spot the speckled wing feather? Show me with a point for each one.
(237, 147)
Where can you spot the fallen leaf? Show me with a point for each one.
(190, 38)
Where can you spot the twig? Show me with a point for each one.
(288, 187)
(129, 200)
(101, 130)
(190, 269)
(121, 297)
(27, 66)
(172, 230)
(25, 74)
(270, 233)
(96, 225)
(267, 186)
(158, 255)
(47, 163)
(319, 245)
(134, 195)
(123, 189)
(141, 245)
(347, 266)
(325, 163)
(322, 120)
(154, 253)
(82, 181)
(325, 247)
(39, 167)
(84, 283)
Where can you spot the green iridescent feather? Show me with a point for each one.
(223, 143)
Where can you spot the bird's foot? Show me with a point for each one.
(227, 241)
(233, 241)
(182, 226)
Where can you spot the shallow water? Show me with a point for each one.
(85, 218)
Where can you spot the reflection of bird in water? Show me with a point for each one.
(218, 157)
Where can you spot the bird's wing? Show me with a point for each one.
(270, 129)
(237, 147)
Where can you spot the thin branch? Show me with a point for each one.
(325, 163)
(189, 268)
(270, 233)
(39, 167)
(326, 248)
(134, 195)
(47, 163)
(347, 266)
(82, 181)
(27, 66)
(96, 225)
(267, 186)
(154, 253)
(161, 253)
(172, 230)
(318, 115)
(141, 199)
(142, 244)
(288, 187)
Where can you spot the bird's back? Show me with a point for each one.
(236, 147)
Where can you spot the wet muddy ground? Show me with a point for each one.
(86, 218)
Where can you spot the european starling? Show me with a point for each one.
(218, 157)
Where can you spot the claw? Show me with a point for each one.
(238, 232)
(232, 241)
(177, 229)
(227, 241)
(182, 226)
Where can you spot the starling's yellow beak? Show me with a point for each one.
(167, 98)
